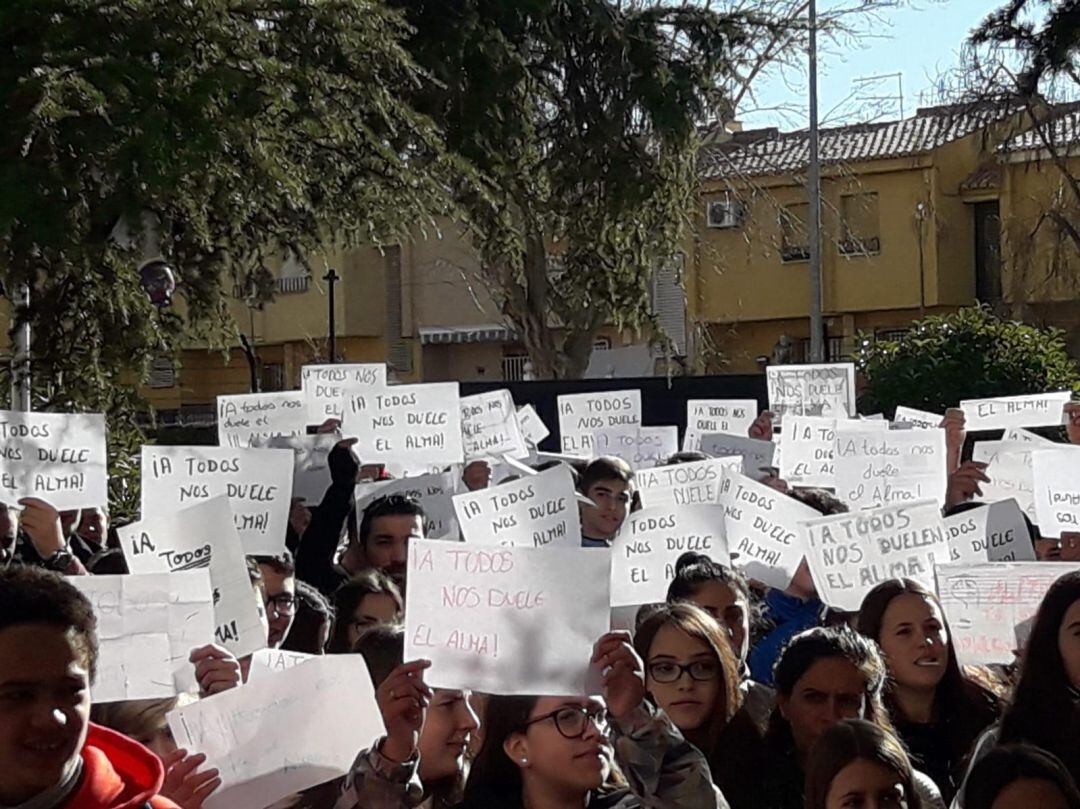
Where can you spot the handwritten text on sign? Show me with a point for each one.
(684, 484)
(1056, 475)
(258, 483)
(897, 466)
(850, 554)
(918, 418)
(812, 390)
(311, 467)
(641, 447)
(489, 426)
(433, 492)
(325, 386)
(717, 416)
(762, 527)
(258, 415)
(583, 414)
(1037, 410)
(1009, 471)
(531, 512)
(57, 457)
(985, 603)
(992, 533)
(419, 423)
(757, 455)
(532, 426)
(506, 620)
(645, 550)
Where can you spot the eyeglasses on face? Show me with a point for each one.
(281, 604)
(573, 722)
(668, 671)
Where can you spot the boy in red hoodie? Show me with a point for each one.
(51, 757)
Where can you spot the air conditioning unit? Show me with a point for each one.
(724, 213)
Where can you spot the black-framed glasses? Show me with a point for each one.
(573, 722)
(668, 671)
(281, 604)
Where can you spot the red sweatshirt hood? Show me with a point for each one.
(118, 773)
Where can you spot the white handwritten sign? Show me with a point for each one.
(850, 554)
(328, 706)
(506, 620)
(257, 482)
(757, 455)
(685, 484)
(420, 424)
(918, 418)
(985, 603)
(583, 414)
(147, 625)
(641, 447)
(1022, 436)
(531, 512)
(326, 386)
(992, 533)
(489, 426)
(1010, 473)
(898, 466)
(644, 552)
(733, 416)
(532, 426)
(1037, 410)
(433, 492)
(1056, 475)
(202, 536)
(267, 662)
(762, 527)
(311, 467)
(812, 390)
(242, 418)
(57, 457)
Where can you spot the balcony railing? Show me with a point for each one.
(293, 286)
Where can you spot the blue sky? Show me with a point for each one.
(919, 41)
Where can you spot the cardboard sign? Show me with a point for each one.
(257, 482)
(532, 426)
(918, 418)
(985, 603)
(311, 466)
(327, 706)
(684, 484)
(850, 554)
(268, 662)
(1009, 471)
(645, 550)
(1036, 410)
(433, 492)
(489, 426)
(812, 390)
(1057, 490)
(993, 533)
(326, 386)
(420, 424)
(583, 414)
(57, 457)
(506, 620)
(240, 419)
(147, 625)
(757, 455)
(202, 536)
(763, 530)
(898, 466)
(641, 447)
(532, 512)
(732, 416)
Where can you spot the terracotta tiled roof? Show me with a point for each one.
(1064, 130)
(767, 151)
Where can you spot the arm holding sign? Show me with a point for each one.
(1072, 421)
(41, 524)
(216, 669)
(955, 435)
(315, 555)
(964, 483)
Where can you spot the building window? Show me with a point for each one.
(890, 335)
(724, 213)
(162, 373)
(795, 238)
(514, 367)
(834, 350)
(860, 233)
(272, 376)
(602, 344)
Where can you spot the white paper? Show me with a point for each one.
(268, 662)
(898, 466)
(850, 554)
(532, 426)
(985, 603)
(282, 734)
(489, 426)
(1009, 471)
(641, 447)
(242, 418)
(993, 533)
(582, 414)
(1056, 478)
(531, 512)
(147, 625)
(202, 536)
(918, 418)
(506, 620)
(757, 455)
(812, 390)
(644, 552)
(417, 424)
(763, 530)
(325, 386)
(258, 483)
(1036, 410)
(57, 457)
(733, 416)
(1022, 436)
(311, 465)
(685, 484)
(432, 492)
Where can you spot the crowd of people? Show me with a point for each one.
(728, 694)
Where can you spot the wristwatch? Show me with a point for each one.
(59, 561)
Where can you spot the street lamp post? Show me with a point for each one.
(331, 279)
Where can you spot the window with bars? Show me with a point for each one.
(859, 229)
(794, 234)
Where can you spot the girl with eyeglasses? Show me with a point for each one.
(556, 752)
(691, 674)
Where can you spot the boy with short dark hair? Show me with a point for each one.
(608, 482)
